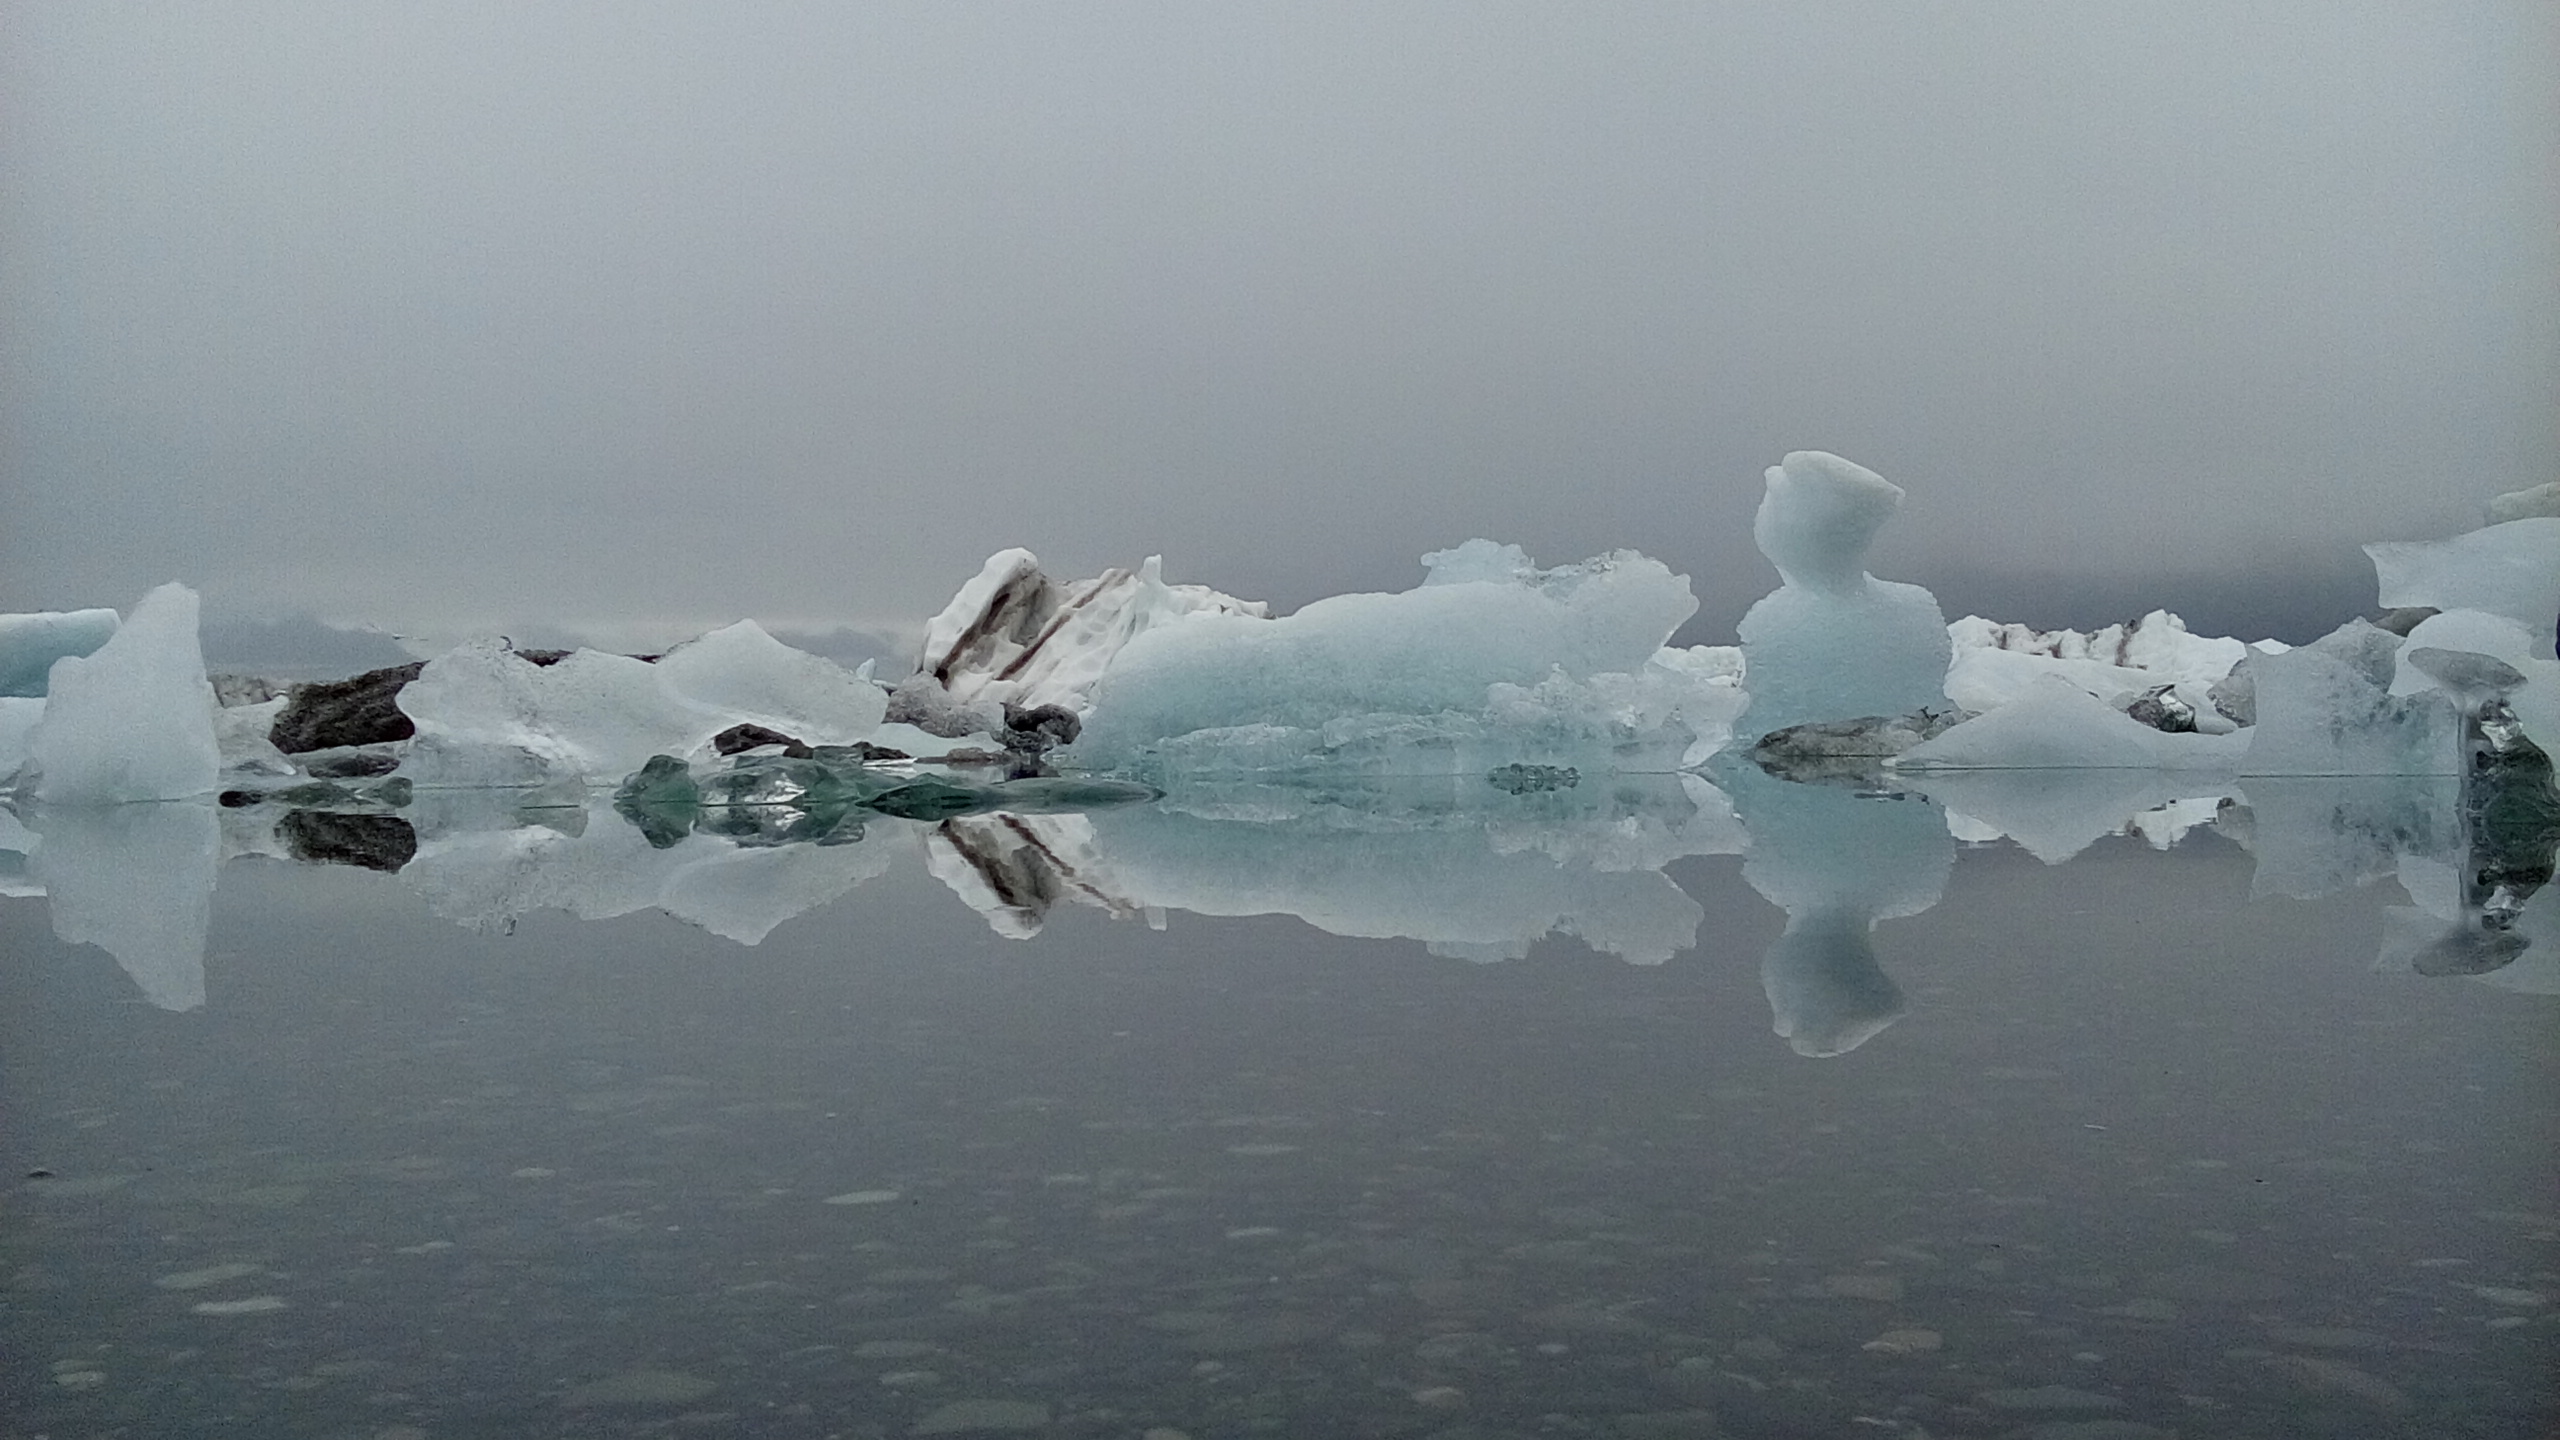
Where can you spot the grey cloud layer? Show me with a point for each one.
(438, 316)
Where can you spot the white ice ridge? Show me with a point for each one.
(486, 715)
(1833, 642)
(2510, 569)
(1491, 660)
(133, 720)
(1994, 663)
(1014, 635)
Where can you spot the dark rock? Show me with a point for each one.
(860, 752)
(2160, 708)
(1040, 727)
(2236, 695)
(370, 842)
(1847, 752)
(1528, 779)
(2405, 619)
(921, 701)
(738, 739)
(362, 710)
(548, 658)
(352, 765)
(931, 798)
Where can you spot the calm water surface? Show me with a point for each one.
(2144, 1156)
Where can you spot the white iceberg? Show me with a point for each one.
(2327, 708)
(1490, 661)
(488, 716)
(1833, 642)
(2536, 702)
(1994, 663)
(134, 719)
(30, 643)
(2510, 569)
(1012, 634)
(2054, 724)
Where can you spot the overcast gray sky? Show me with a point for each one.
(440, 316)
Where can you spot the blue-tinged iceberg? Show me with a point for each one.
(29, 644)
(1491, 661)
(1832, 642)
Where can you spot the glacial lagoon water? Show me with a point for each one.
(2141, 1147)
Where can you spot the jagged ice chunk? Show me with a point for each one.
(134, 719)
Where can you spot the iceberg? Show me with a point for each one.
(486, 715)
(1490, 661)
(133, 720)
(1833, 642)
(2536, 697)
(1995, 663)
(2054, 724)
(2510, 569)
(2327, 708)
(29, 644)
(1014, 636)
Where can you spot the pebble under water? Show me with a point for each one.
(2146, 1157)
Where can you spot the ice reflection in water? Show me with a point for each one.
(2144, 1153)
(1474, 870)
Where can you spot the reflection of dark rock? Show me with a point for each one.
(1531, 779)
(370, 842)
(662, 800)
(1021, 874)
(1827, 995)
(322, 794)
(2473, 948)
(933, 798)
(352, 765)
(357, 711)
(1847, 752)
(2160, 708)
(740, 738)
(860, 752)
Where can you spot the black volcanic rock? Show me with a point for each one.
(362, 710)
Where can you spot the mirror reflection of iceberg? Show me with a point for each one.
(1837, 861)
(1466, 867)
(136, 881)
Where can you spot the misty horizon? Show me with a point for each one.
(465, 318)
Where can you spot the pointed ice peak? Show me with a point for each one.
(1818, 518)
